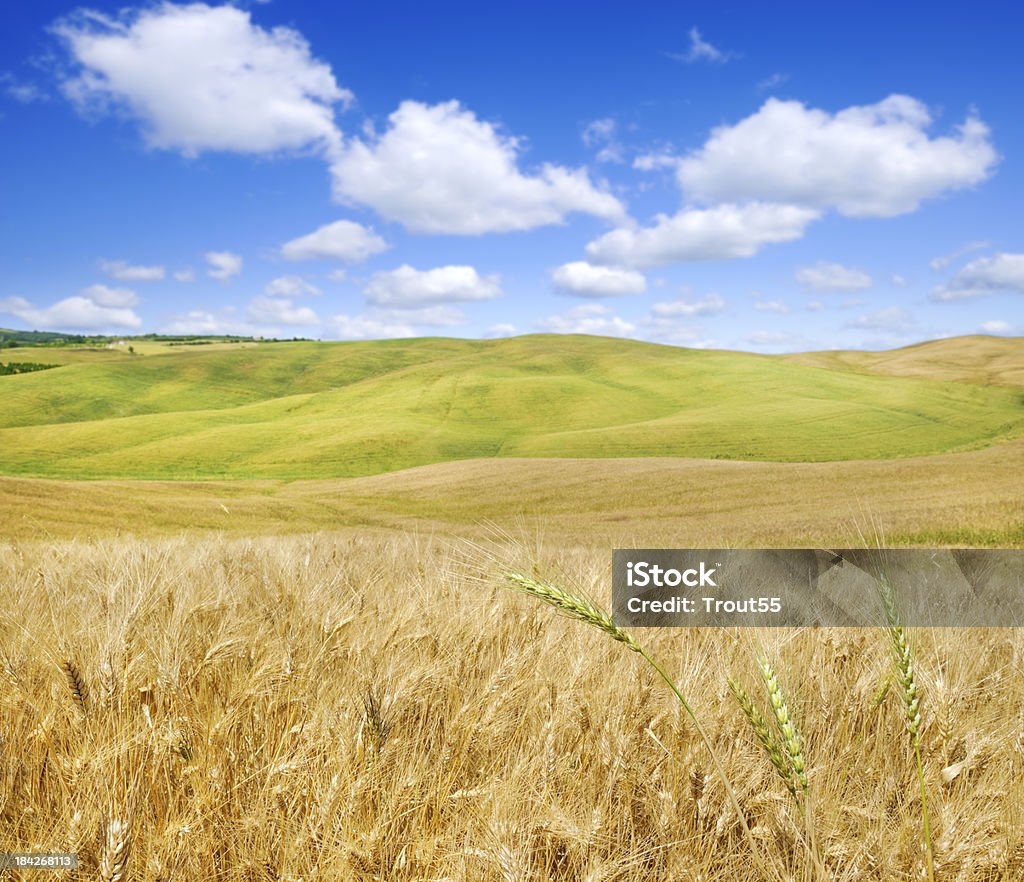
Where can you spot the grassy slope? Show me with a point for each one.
(995, 361)
(309, 410)
(951, 499)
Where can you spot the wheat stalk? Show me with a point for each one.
(904, 661)
(583, 610)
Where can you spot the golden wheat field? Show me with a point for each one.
(342, 707)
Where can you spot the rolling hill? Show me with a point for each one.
(321, 410)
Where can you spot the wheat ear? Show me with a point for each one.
(790, 735)
(583, 610)
(114, 860)
(767, 738)
(911, 702)
(76, 684)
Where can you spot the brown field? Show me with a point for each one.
(342, 707)
(968, 498)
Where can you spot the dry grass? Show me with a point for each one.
(340, 708)
(955, 499)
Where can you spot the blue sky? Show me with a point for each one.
(741, 177)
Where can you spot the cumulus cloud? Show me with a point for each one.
(97, 308)
(279, 311)
(710, 305)
(723, 232)
(583, 279)
(825, 277)
(701, 50)
(996, 326)
(591, 318)
(200, 321)
(223, 264)
(185, 275)
(986, 275)
(502, 329)
(342, 240)
(361, 327)
(426, 316)
(201, 77)
(438, 169)
(291, 286)
(407, 287)
(103, 295)
(125, 272)
(869, 161)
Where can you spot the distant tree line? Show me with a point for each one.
(12, 339)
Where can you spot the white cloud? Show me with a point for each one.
(103, 295)
(223, 264)
(814, 306)
(898, 281)
(361, 327)
(342, 240)
(338, 275)
(655, 161)
(602, 133)
(870, 161)
(438, 169)
(940, 263)
(668, 330)
(986, 275)
(291, 286)
(996, 326)
(722, 232)
(79, 313)
(406, 287)
(824, 276)
(701, 50)
(892, 318)
(202, 77)
(278, 310)
(772, 82)
(710, 305)
(125, 272)
(776, 306)
(199, 322)
(502, 329)
(586, 280)
(185, 275)
(778, 341)
(591, 318)
(429, 316)
(21, 91)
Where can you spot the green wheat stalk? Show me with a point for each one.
(911, 702)
(768, 739)
(583, 610)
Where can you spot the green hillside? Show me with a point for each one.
(307, 409)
